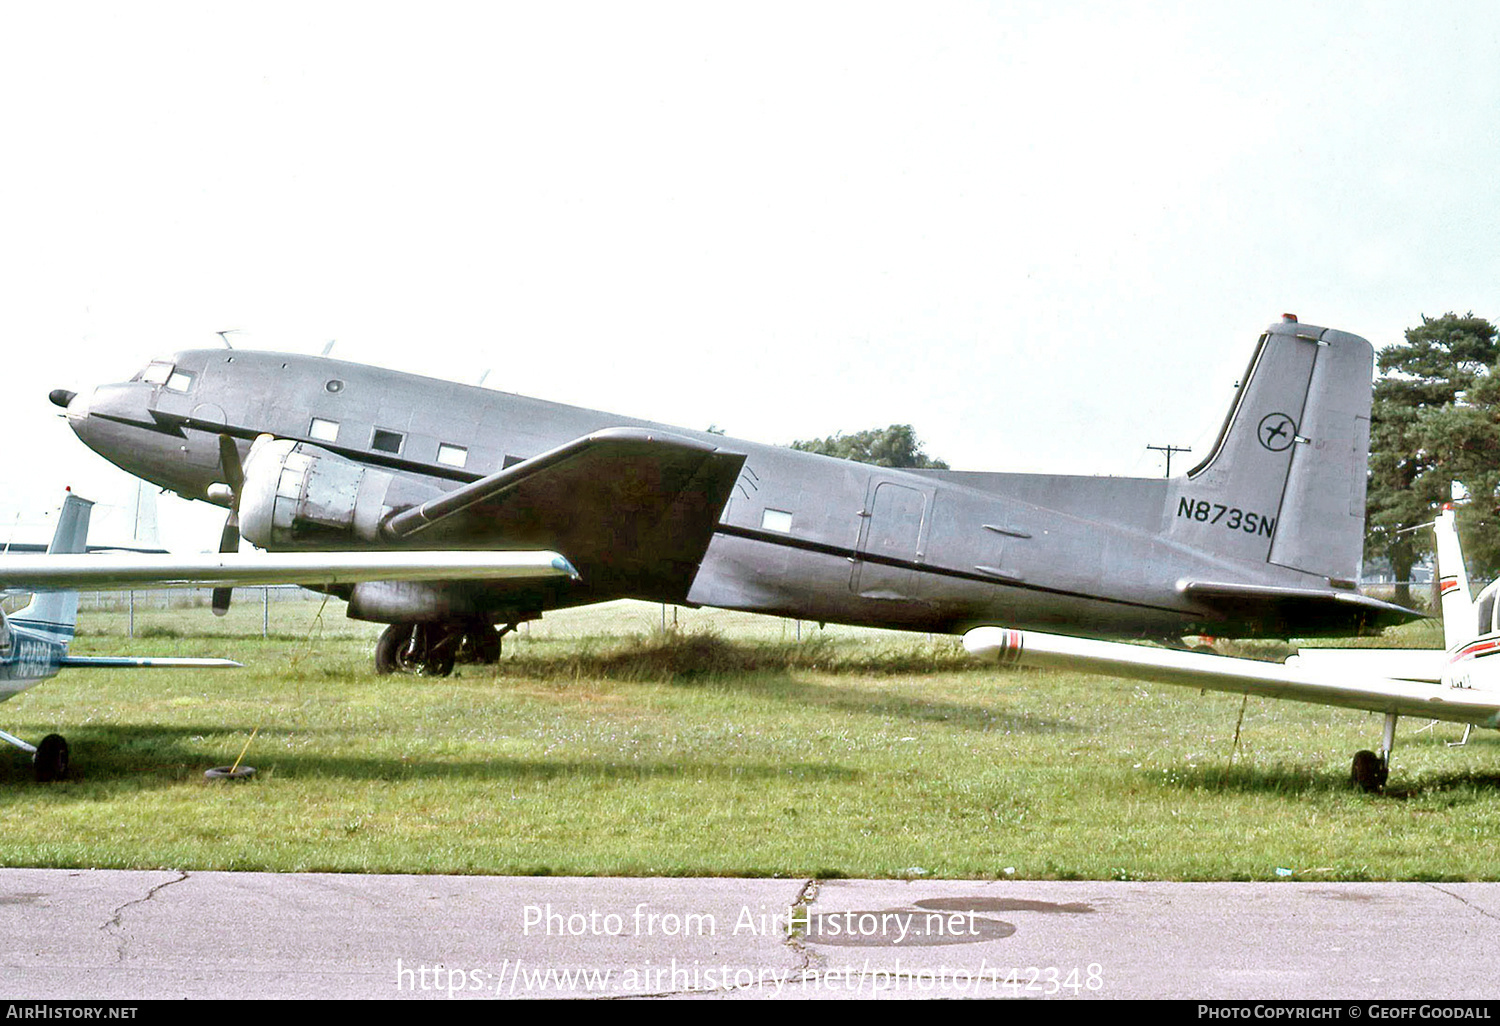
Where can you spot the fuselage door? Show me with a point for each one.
(892, 541)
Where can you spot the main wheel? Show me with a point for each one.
(51, 758)
(1369, 771)
(415, 648)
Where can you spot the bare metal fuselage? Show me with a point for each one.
(801, 535)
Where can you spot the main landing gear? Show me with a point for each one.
(432, 649)
(49, 759)
(1370, 771)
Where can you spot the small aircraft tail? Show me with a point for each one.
(1285, 482)
(1453, 582)
(55, 613)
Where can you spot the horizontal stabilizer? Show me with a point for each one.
(1297, 612)
(1241, 676)
(118, 571)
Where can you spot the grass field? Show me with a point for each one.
(603, 745)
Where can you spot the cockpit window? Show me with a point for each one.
(6, 639)
(180, 381)
(156, 373)
(1486, 611)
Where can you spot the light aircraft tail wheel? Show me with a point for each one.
(1370, 771)
(415, 649)
(51, 758)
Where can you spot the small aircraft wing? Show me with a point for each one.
(625, 504)
(118, 571)
(1244, 676)
(73, 662)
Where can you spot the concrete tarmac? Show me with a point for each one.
(103, 934)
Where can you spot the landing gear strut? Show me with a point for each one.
(480, 643)
(1370, 771)
(49, 759)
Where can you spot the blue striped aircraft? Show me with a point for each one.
(34, 640)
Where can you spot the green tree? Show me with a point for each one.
(895, 446)
(1419, 423)
(1465, 435)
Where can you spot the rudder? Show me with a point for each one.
(56, 612)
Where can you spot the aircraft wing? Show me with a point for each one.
(73, 662)
(1244, 676)
(625, 504)
(118, 571)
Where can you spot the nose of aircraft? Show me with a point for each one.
(61, 397)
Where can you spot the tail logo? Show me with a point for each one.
(1277, 432)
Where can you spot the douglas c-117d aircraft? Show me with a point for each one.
(34, 640)
(1263, 538)
(1461, 685)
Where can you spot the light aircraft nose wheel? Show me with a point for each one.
(51, 759)
(1370, 771)
(415, 649)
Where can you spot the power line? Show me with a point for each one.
(1169, 450)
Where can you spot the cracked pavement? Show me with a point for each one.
(108, 934)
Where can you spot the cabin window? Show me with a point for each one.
(776, 520)
(452, 455)
(323, 430)
(5, 639)
(387, 441)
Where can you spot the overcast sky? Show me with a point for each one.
(1047, 235)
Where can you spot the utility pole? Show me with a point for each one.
(1169, 450)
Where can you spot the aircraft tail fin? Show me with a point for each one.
(1453, 581)
(1285, 482)
(56, 612)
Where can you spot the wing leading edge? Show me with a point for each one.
(114, 571)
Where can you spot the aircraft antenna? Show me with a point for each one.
(329, 347)
(224, 336)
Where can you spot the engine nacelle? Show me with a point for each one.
(298, 496)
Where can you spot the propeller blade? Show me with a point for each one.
(234, 477)
(229, 462)
(229, 541)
